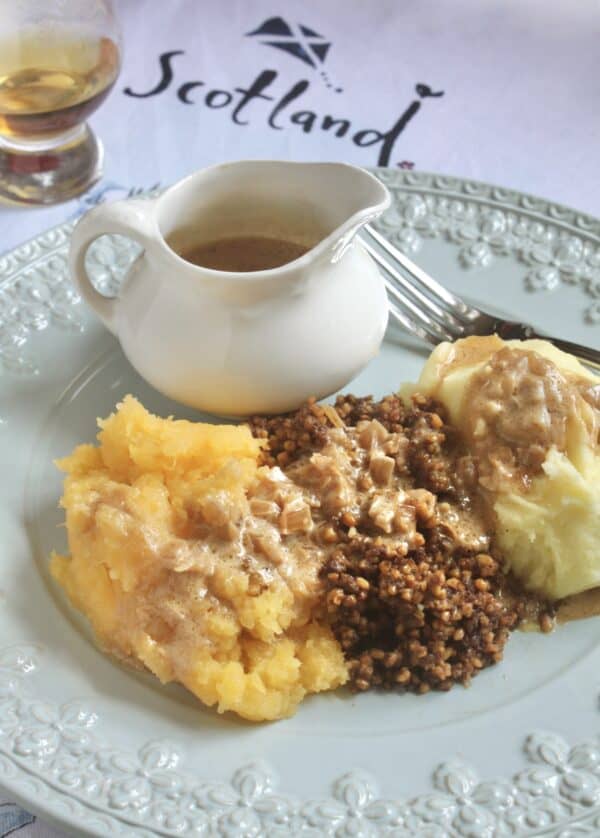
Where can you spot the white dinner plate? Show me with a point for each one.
(101, 750)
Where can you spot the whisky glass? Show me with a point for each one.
(59, 60)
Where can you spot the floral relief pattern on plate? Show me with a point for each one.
(62, 747)
(36, 292)
(554, 244)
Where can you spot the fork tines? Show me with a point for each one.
(417, 301)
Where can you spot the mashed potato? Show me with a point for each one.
(529, 415)
(177, 575)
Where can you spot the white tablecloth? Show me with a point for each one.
(506, 91)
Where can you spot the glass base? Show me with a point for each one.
(38, 173)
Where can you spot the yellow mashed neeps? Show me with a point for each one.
(530, 416)
(175, 562)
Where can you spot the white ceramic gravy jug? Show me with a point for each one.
(231, 343)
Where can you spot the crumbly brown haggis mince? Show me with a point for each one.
(411, 586)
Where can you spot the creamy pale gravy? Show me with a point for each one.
(575, 607)
(276, 536)
(520, 406)
(359, 471)
(243, 253)
(579, 606)
(239, 546)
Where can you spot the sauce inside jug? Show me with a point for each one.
(242, 253)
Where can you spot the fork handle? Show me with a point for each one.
(589, 356)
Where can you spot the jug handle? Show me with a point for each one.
(134, 219)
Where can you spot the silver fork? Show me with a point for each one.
(433, 313)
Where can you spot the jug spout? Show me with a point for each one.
(347, 194)
(346, 197)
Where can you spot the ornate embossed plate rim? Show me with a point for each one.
(556, 782)
(558, 787)
(483, 192)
